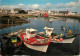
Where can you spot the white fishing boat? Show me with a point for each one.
(33, 41)
(58, 38)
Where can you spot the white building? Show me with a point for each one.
(50, 12)
(4, 11)
(13, 11)
(73, 13)
(34, 12)
(0, 11)
(38, 12)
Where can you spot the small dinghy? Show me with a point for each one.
(51, 20)
(14, 41)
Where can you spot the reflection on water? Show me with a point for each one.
(40, 23)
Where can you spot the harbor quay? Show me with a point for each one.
(77, 16)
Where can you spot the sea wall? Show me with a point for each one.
(26, 15)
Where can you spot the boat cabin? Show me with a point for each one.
(31, 33)
(49, 31)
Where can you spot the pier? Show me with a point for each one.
(77, 16)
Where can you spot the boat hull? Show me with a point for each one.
(65, 40)
(36, 45)
(70, 40)
(37, 48)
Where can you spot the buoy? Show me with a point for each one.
(50, 37)
(18, 43)
(58, 40)
(61, 39)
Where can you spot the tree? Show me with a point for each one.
(22, 11)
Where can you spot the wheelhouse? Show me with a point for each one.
(31, 33)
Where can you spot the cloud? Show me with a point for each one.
(21, 4)
(48, 4)
(71, 6)
(35, 5)
(8, 7)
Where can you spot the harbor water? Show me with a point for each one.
(53, 49)
(39, 24)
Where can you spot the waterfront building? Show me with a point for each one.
(13, 11)
(75, 13)
(38, 12)
(30, 12)
(0, 11)
(53, 12)
(4, 11)
(62, 12)
(35, 12)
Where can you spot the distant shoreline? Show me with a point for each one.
(26, 15)
(8, 21)
(6, 25)
(68, 16)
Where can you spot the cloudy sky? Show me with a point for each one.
(56, 5)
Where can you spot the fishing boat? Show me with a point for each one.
(14, 41)
(15, 33)
(49, 32)
(33, 41)
(65, 39)
(68, 37)
(58, 38)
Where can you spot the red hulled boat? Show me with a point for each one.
(33, 41)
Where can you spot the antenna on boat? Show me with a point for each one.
(29, 23)
(62, 29)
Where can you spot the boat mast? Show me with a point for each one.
(29, 23)
(62, 29)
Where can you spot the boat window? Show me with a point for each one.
(33, 32)
(49, 30)
(28, 32)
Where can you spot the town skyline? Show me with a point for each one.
(56, 5)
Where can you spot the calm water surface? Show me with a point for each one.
(53, 48)
(39, 24)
